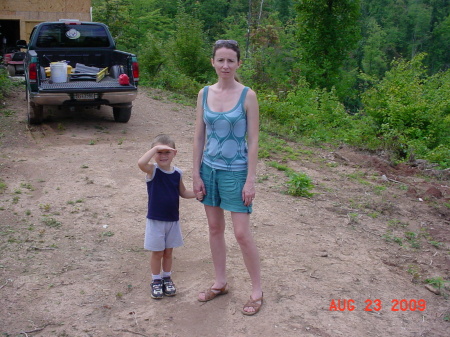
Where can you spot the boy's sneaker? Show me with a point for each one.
(157, 289)
(169, 287)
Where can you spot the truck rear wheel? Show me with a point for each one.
(122, 114)
(35, 112)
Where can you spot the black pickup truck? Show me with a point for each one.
(97, 73)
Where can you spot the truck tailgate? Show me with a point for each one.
(107, 83)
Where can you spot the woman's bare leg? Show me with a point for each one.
(216, 223)
(243, 234)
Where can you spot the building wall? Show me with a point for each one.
(31, 12)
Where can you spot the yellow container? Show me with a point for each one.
(48, 72)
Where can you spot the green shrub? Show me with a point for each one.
(411, 111)
(5, 84)
(300, 185)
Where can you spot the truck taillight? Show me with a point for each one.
(32, 73)
(135, 68)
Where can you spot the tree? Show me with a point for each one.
(374, 61)
(328, 32)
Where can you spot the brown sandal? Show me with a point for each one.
(251, 303)
(212, 293)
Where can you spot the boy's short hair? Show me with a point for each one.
(164, 140)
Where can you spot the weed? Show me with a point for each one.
(108, 233)
(28, 186)
(92, 142)
(374, 215)
(437, 282)
(51, 222)
(436, 244)
(45, 207)
(395, 223)
(7, 112)
(84, 166)
(61, 127)
(353, 218)
(28, 212)
(120, 141)
(278, 166)
(379, 189)
(300, 185)
(16, 200)
(17, 191)
(414, 270)
(397, 240)
(412, 237)
(3, 186)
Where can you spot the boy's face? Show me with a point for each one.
(164, 156)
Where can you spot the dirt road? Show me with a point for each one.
(350, 261)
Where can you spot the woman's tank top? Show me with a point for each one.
(226, 143)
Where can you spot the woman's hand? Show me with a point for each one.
(248, 193)
(199, 188)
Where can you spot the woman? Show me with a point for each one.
(224, 168)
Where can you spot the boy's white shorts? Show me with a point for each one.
(160, 235)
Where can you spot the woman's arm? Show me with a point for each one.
(199, 144)
(252, 108)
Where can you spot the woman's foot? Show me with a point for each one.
(253, 306)
(212, 293)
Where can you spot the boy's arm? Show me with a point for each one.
(144, 162)
(184, 193)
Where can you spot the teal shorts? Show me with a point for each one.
(224, 189)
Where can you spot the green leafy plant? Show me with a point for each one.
(300, 185)
(437, 282)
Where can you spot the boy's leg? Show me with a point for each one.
(155, 266)
(167, 260)
(169, 288)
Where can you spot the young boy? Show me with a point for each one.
(162, 232)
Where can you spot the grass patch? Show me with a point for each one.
(51, 222)
(3, 186)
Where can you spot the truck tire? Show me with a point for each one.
(35, 112)
(122, 114)
(11, 70)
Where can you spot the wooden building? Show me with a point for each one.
(18, 17)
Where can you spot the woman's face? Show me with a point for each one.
(225, 62)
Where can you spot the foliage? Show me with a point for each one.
(349, 71)
(327, 32)
(186, 48)
(300, 185)
(5, 84)
(411, 111)
(312, 114)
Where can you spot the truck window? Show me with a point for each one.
(73, 36)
